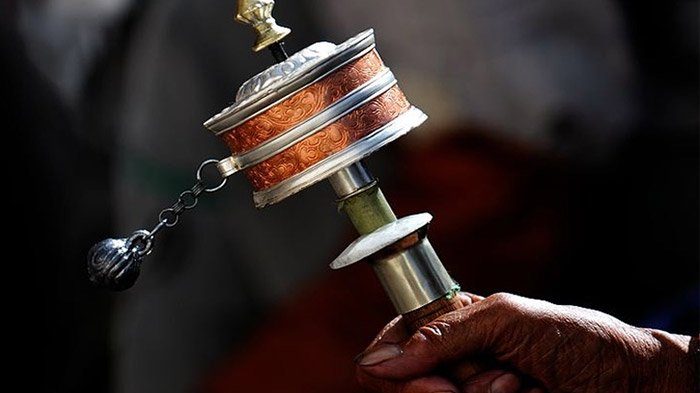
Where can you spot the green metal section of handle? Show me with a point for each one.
(368, 210)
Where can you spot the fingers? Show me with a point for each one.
(485, 328)
(465, 370)
(476, 329)
(397, 362)
(495, 381)
(429, 384)
(499, 381)
(491, 382)
(445, 339)
(469, 298)
(453, 336)
(395, 331)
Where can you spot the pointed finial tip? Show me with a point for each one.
(258, 15)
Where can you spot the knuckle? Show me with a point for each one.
(505, 301)
(435, 333)
(435, 330)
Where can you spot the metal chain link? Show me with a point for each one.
(142, 241)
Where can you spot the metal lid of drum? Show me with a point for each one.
(284, 79)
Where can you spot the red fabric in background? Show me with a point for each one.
(496, 217)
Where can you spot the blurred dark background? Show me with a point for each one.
(560, 162)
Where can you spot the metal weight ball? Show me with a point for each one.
(116, 263)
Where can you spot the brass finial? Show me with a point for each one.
(258, 14)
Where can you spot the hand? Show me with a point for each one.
(508, 344)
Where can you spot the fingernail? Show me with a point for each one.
(506, 383)
(378, 355)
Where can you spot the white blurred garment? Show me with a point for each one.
(524, 68)
(64, 37)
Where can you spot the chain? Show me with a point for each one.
(141, 241)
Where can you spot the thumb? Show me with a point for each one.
(460, 335)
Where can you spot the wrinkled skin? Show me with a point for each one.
(507, 344)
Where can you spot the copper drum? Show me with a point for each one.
(302, 120)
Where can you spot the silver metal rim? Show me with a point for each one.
(384, 135)
(367, 245)
(227, 119)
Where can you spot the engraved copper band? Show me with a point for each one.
(331, 139)
(303, 105)
(367, 92)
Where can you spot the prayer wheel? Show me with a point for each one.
(313, 116)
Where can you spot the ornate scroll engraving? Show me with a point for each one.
(303, 105)
(330, 140)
